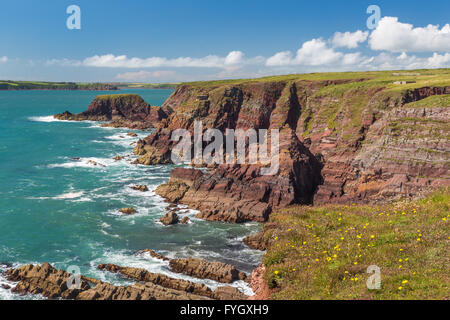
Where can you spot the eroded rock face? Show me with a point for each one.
(137, 291)
(199, 268)
(256, 241)
(52, 283)
(357, 143)
(122, 110)
(143, 275)
(259, 286)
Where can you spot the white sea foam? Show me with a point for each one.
(46, 119)
(154, 265)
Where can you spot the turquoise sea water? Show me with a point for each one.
(63, 211)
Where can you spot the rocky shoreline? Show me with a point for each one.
(318, 164)
(57, 284)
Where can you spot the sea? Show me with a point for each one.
(63, 210)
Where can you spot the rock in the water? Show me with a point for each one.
(153, 254)
(185, 220)
(131, 134)
(5, 286)
(169, 218)
(44, 280)
(199, 268)
(142, 188)
(122, 110)
(138, 291)
(118, 158)
(143, 275)
(128, 211)
(95, 163)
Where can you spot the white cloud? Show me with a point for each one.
(4, 59)
(439, 61)
(122, 61)
(234, 57)
(349, 39)
(315, 52)
(392, 35)
(280, 59)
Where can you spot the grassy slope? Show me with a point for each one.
(427, 77)
(324, 252)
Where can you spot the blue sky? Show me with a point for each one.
(160, 41)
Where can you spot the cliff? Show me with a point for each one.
(123, 110)
(344, 138)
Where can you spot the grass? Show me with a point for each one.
(324, 252)
(421, 77)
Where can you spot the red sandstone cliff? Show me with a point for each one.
(123, 110)
(340, 141)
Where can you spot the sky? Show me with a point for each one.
(172, 41)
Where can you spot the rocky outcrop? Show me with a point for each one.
(169, 218)
(341, 141)
(142, 188)
(143, 275)
(256, 241)
(137, 291)
(121, 110)
(128, 211)
(199, 268)
(185, 220)
(44, 280)
(52, 283)
(259, 286)
(153, 254)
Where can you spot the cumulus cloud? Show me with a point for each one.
(4, 59)
(394, 36)
(123, 61)
(349, 39)
(393, 43)
(315, 52)
(234, 57)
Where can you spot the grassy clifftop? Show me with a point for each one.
(324, 252)
(423, 77)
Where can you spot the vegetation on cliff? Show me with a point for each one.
(324, 252)
(44, 85)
